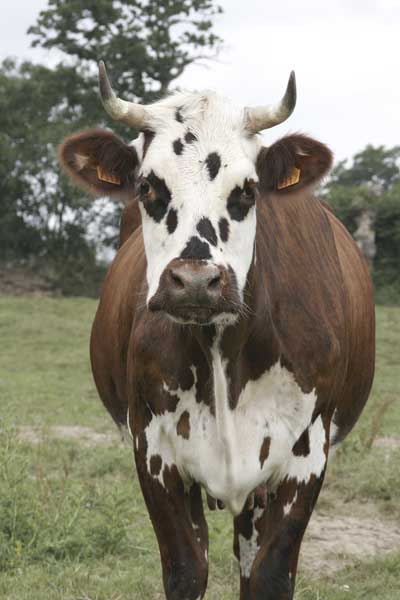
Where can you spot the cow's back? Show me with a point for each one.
(121, 295)
(360, 330)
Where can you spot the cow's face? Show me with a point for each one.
(193, 171)
(197, 189)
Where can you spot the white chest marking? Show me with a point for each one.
(222, 452)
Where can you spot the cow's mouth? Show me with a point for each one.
(199, 315)
(195, 315)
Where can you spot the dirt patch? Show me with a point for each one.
(391, 443)
(355, 532)
(87, 437)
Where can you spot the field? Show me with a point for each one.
(73, 525)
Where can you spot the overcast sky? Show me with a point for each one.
(346, 54)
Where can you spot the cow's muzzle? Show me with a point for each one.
(195, 291)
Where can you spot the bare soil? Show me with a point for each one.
(354, 532)
(85, 436)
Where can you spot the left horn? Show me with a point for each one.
(264, 117)
(134, 115)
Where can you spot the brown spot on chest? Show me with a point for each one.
(155, 464)
(172, 480)
(183, 425)
(302, 446)
(264, 451)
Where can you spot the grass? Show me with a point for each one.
(73, 525)
(378, 580)
(45, 376)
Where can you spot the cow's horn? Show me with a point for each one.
(264, 117)
(130, 113)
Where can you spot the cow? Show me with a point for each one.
(235, 330)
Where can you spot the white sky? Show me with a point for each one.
(346, 55)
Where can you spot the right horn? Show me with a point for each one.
(264, 117)
(134, 115)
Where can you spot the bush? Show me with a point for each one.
(347, 203)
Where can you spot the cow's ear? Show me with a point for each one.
(100, 162)
(291, 163)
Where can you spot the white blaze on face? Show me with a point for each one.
(199, 155)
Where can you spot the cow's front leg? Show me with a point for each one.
(247, 532)
(179, 524)
(286, 517)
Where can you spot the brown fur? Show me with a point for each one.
(131, 219)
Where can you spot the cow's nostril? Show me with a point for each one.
(214, 283)
(177, 280)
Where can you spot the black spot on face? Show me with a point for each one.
(207, 231)
(178, 147)
(223, 225)
(148, 138)
(238, 204)
(178, 115)
(190, 137)
(213, 164)
(196, 250)
(156, 205)
(172, 220)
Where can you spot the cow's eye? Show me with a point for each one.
(144, 188)
(249, 191)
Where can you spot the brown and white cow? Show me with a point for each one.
(235, 329)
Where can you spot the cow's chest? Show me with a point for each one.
(230, 452)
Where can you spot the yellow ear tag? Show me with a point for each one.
(292, 180)
(103, 176)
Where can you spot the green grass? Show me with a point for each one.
(387, 380)
(45, 373)
(73, 525)
(378, 580)
(358, 470)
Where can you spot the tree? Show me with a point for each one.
(41, 218)
(371, 184)
(374, 166)
(147, 45)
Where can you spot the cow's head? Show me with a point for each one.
(195, 169)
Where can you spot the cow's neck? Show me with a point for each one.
(243, 351)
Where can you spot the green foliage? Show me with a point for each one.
(145, 44)
(372, 165)
(372, 182)
(43, 218)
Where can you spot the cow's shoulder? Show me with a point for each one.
(303, 280)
